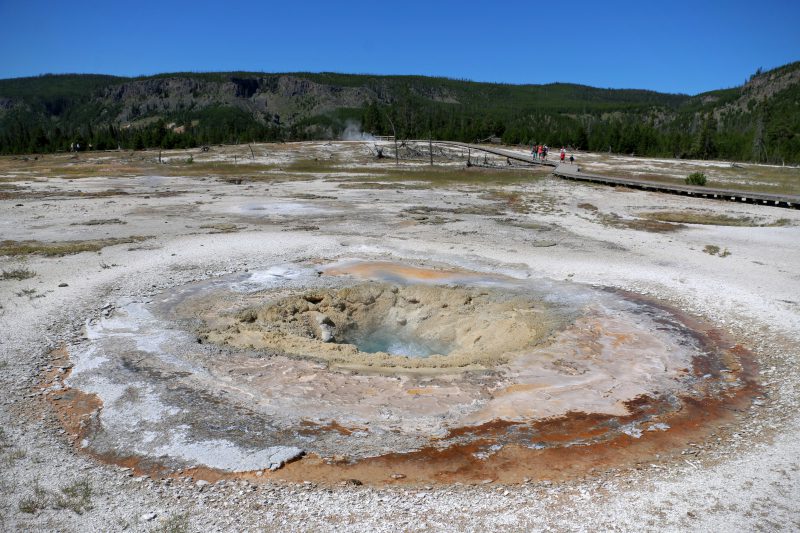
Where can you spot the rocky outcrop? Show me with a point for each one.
(265, 96)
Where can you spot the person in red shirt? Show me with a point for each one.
(563, 155)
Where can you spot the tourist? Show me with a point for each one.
(563, 154)
(571, 159)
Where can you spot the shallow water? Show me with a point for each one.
(395, 343)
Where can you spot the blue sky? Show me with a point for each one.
(673, 46)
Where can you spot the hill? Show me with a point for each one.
(758, 121)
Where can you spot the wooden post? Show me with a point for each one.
(252, 154)
(430, 147)
(159, 155)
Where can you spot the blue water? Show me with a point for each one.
(396, 344)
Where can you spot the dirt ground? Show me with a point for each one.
(90, 240)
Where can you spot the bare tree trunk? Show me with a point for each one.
(430, 147)
(394, 132)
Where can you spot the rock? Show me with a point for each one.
(202, 483)
(398, 476)
(149, 516)
(326, 335)
(324, 326)
(63, 285)
(324, 320)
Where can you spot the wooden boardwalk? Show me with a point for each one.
(573, 172)
(516, 156)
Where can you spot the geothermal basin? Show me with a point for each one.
(394, 372)
(320, 339)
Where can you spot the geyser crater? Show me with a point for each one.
(447, 375)
(388, 327)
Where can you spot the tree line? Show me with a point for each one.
(766, 133)
(58, 115)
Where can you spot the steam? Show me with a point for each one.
(352, 132)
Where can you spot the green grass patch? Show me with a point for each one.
(696, 178)
(223, 227)
(380, 185)
(18, 274)
(77, 497)
(710, 219)
(12, 456)
(50, 249)
(99, 222)
(512, 199)
(35, 501)
(445, 175)
(211, 168)
(641, 224)
(311, 166)
(30, 293)
(178, 523)
(470, 176)
(495, 209)
(713, 249)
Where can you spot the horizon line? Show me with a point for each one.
(322, 72)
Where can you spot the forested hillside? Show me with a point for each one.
(759, 121)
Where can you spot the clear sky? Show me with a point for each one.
(676, 46)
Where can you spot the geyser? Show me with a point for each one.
(385, 326)
(378, 368)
